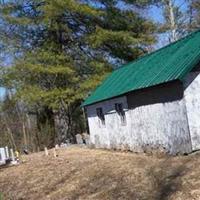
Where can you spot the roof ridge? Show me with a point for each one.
(157, 50)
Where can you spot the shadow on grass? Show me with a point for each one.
(164, 177)
(105, 185)
(167, 179)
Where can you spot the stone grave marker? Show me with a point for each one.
(2, 156)
(86, 138)
(7, 152)
(79, 139)
(46, 151)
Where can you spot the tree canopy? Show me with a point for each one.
(62, 49)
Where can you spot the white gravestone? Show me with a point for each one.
(46, 151)
(2, 156)
(79, 139)
(7, 152)
(55, 153)
(86, 138)
(12, 154)
(14, 161)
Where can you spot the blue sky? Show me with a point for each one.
(156, 13)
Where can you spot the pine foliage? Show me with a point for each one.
(62, 49)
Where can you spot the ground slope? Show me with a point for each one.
(80, 173)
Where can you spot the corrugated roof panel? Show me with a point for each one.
(166, 64)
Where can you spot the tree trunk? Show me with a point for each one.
(173, 26)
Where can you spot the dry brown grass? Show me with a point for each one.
(80, 173)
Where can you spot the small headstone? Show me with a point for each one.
(12, 155)
(79, 139)
(7, 152)
(55, 154)
(67, 142)
(17, 155)
(86, 138)
(2, 156)
(63, 145)
(13, 161)
(46, 151)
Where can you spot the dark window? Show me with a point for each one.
(120, 111)
(100, 115)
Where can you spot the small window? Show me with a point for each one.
(101, 116)
(120, 111)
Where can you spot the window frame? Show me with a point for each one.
(101, 116)
(119, 108)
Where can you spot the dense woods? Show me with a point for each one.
(55, 52)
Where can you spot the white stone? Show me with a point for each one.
(46, 151)
(12, 155)
(86, 138)
(2, 156)
(79, 139)
(7, 152)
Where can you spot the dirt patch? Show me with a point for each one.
(80, 173)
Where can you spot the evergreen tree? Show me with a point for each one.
(194, 15)
(62, 49)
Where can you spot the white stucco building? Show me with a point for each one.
(153, 102)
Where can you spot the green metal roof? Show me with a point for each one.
(170, 63)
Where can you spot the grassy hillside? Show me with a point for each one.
(80, 173)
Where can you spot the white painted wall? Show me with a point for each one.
(160, 124)
(113, 132)
(192, 100)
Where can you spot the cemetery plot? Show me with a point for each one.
(83, 173)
